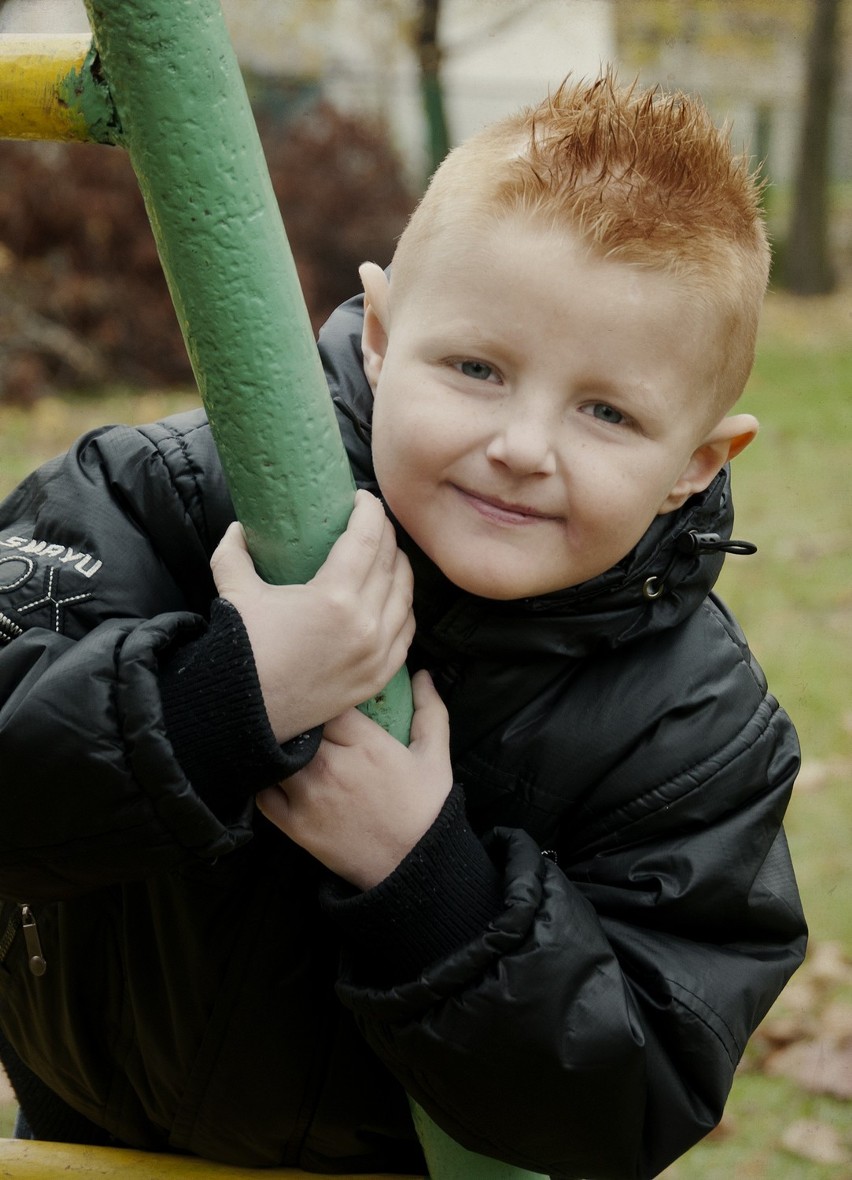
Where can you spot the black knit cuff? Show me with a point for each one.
(444, 894)
(216, 719)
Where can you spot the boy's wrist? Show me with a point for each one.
(216, 720)
(442, 895)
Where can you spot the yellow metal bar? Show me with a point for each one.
(28, 1160)
(34, 83)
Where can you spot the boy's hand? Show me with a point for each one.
(365, 799)
(334, 642)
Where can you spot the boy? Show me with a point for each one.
(556, 918)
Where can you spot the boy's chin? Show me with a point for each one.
(498, 587)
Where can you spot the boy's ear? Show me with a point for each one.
(727, 438)
(374, 334)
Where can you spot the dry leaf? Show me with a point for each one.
(818, 1142)
(725, 1129)
(836, 1021)
(812, 776)
(827, 964)
(821, 1066)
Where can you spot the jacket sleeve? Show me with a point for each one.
(104, 568)
(592, 1027)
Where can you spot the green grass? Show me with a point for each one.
(30, 435)
(744, 1148)
(794, 598)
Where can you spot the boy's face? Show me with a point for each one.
(536, 407)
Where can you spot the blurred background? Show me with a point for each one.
(357, 101)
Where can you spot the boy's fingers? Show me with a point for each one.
(347, 729)
(354, 553)
(231, 562)
(430, 724)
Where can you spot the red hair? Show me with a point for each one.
(642, 177)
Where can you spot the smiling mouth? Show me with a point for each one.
(502, 511)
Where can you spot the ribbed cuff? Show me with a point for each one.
(444, 894)
(216, 719)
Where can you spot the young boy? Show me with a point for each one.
(554, 919)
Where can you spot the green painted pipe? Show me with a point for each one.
(192, 141)
(188, 127)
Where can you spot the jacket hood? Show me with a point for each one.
(658, 584)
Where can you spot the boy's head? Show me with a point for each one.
(572, 312)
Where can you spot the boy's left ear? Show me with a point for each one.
(727, 438)
(374, 334)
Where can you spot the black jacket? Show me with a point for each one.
(575, 1002)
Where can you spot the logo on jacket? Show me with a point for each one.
(82, 562)
(19, 570)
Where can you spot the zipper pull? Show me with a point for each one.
(38, 963)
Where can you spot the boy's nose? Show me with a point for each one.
(524, 445)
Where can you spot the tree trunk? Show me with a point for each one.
(431, 88)
(807, 269)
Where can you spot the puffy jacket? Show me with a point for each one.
(619, 757)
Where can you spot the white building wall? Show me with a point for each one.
(502, 55)
(498, 55)
(43, 16)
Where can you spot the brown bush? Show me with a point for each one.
(83, 301)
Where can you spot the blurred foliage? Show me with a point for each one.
(82, 298)
(734, 30)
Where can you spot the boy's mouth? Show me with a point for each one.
(502, 511)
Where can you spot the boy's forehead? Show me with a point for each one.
(466, 253)
(517, 284)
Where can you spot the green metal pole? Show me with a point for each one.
(187, 125)
(192, 141)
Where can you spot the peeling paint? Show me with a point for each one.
(86, 92)
(32, 73)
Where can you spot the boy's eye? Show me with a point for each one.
(606, 413)
(478, 370)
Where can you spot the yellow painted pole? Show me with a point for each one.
(27, 1160)
(44, 82)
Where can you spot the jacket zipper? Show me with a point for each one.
(24, 918)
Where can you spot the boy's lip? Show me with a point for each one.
(495, 508)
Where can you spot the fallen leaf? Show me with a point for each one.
(821, 1066)
(812, 776)
(725, 1129)
(818, 1142)
(836, 1020)
(827, 964)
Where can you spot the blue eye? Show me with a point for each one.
(605, 413)
(478, 370)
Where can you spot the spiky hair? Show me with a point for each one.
(639, 175)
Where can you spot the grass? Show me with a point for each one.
(30, 435)
(794, 598)
(792, 491)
